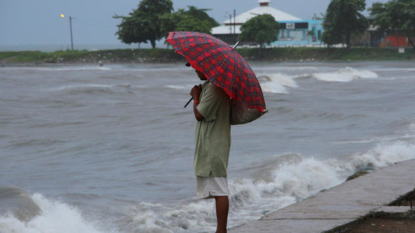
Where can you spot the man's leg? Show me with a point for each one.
(222, 209)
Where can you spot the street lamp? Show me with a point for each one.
(70, 26)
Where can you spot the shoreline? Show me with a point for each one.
(157, 56)
(106, 65)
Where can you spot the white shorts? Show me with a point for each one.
(209, 187)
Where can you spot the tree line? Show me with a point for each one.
(343, 20)
(153, 19)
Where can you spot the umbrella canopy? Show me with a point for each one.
(225, 68)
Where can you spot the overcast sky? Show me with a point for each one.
(38, 22)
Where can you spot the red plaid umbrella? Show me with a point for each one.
(225, 68)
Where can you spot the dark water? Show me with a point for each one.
(110, 149)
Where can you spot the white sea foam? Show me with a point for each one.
(384, 154)
(249, 198)
(179, 87)
(65, 68)
(301, 76)
(290, 181)
(83, 86)
(347, 74)
(276, 83)
(306, 178)
(284, 68)
(394, 69)
(293, 178)
(90, 87)
(272, 83)
(56, 217)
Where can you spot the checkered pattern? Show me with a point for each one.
(221, 64)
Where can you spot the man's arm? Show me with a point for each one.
(195, 93)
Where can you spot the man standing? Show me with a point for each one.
(212, 110)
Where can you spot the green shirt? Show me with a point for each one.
(213, 134)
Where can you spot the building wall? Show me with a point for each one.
(292, 33)
(304, 32)
(396, 40)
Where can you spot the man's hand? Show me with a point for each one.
(195, 92)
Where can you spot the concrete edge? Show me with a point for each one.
(401, 199)
(345, 227)
(377, 214)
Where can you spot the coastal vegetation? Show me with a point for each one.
(143, 24)
(343, 20)
(263, 29)
(153, 19)
(395, 16)
(302, 54)
(343, 23)
(192, 19)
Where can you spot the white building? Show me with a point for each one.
(263, 8)
(293, 30)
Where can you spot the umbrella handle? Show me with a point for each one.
(188, 102)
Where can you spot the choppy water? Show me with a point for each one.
(110, 149)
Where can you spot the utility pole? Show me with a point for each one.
(230, 23)
(70, 25)
(234, 25)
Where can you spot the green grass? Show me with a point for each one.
(324, 54)
(30, 56)
(5, 55)
(168, 55)
(34, 56)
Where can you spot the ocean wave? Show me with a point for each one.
(285, 68)
(384, 154)
(161, 68)
(89, 86)
(45, 142)
(276, 83)
(347, 74)
(65, 68)
(250, 199)
(394, 69)
(93, 88)
(179, 87)
(293, 178)
(56, 217)
(303, 76)
(272, 83)
(285, 179)
(280, 83)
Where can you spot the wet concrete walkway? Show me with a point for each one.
(339, 205)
